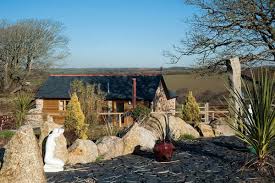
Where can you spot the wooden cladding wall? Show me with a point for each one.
(50, 106)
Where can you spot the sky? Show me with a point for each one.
(111, 33)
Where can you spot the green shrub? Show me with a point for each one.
(190, 111)
(22, 104)
(187, 136)
(99, 158)
(6, 134)
(140, 112)
(91, 98)
(256, 129)
(75, 119)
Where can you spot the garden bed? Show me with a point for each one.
(5, 136)
(205, 160)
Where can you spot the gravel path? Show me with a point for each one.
(212, 160)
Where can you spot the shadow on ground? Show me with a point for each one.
(204, 160)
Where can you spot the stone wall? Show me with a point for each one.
(39, 104)
(161, 103)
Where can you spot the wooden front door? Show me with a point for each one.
(120, 108)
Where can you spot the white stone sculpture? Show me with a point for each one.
(53, 164)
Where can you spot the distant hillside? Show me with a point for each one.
(172, 70)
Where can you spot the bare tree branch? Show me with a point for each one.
(223, 29)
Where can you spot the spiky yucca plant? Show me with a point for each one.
(22, 103)
(255, 126)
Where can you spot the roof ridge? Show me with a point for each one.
(102, 74)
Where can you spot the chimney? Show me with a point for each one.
(134, 93)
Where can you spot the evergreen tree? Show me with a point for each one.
(190, 109)
(75, 119)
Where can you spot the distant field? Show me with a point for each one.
(196, 83)
(205, 88)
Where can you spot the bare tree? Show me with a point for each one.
(26, 46)
(226, 28)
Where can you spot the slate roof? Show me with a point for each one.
(120, 86)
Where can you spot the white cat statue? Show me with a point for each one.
(53, 164)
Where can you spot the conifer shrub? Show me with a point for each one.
(190, 111)
(75, 119)
(91, 98)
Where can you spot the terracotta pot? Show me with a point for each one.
(163, 151)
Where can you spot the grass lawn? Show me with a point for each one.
(6, 134)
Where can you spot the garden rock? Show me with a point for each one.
(61, 151)
(206, 130)
(221, 128)
(139, 136)
(110, 147)
(82, 151)
(22, 160)
(179, 127)
(46, 128)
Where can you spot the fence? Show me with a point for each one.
(207, 114)
(117, 118)
(211, 113)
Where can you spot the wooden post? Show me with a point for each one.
(119, 120)
(134, 92)
(213, 116)
(234, 69)
(206, 116)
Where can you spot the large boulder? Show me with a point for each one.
(139, 136)
(22, 160)
(221, 128)
(179, 127)
(46, 128)
(157, 124)
(110, 147)
(82, 151)
(206, 130)
(61, 151)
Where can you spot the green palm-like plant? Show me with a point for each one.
(22, 104)
(256, 125)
